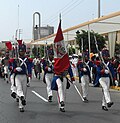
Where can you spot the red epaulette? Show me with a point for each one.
(113, 62)
(97, 62)
(11, 60)
(79, 62)
(30, 59)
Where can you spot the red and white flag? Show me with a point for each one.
(61, 58)
(8, 45)
(19, 42)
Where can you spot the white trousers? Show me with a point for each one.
(48, 79)
(5, 69)
(6, 72)
(21, 88)
(85, 85)
(105, 83)
(13, 87)
(60, 90)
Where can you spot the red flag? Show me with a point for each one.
(61, 59)
(8, 45)
(19, 42)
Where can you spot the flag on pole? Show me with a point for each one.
(8, 45)
(19, 42)
(61, 58)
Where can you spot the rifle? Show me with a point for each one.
(75, 88)
(83, 58)
(46, 54)
(17, 60)
(102, 60)
(16, 55)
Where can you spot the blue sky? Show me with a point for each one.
(73, 13)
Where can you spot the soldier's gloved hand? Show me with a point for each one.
(73, 82)
(19, 69)
(106, 71)
(49, 69)
(84, 69)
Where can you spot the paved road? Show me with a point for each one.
(38, 110)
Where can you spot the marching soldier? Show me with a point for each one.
(84, 67)
(57, 85)
(5, 62)
(38, 69)
(20, 68)
(35, 62)
(104, 71)
(48, 73)
(74, 64)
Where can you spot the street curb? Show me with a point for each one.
(115, 87)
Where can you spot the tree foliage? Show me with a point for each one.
(117, 48)
(42, 51)
(84, 35)
(34, 51)
(71, 50)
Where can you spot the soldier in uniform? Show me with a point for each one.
(74, 64)
(57, 85)
(104, 70)
(5, 62)
(84, 67)
(21, 69)
(35, 62)
(48, 73)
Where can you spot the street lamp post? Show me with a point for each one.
(89, 40)
(98, 8)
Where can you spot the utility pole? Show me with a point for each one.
(20, 32)
(98, 8)
(18, 17)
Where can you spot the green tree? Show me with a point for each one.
(34, 51)
(71, 50)
(117, 49)
(42, 51)
(84, 35)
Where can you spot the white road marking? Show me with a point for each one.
(40, 96)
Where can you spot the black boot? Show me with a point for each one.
(21, 109)
(110, 104)
(85, 100)
(62, 109)
(13, 94)
(23, 100)
(104, 108)
(62, 106)
(50, 99)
